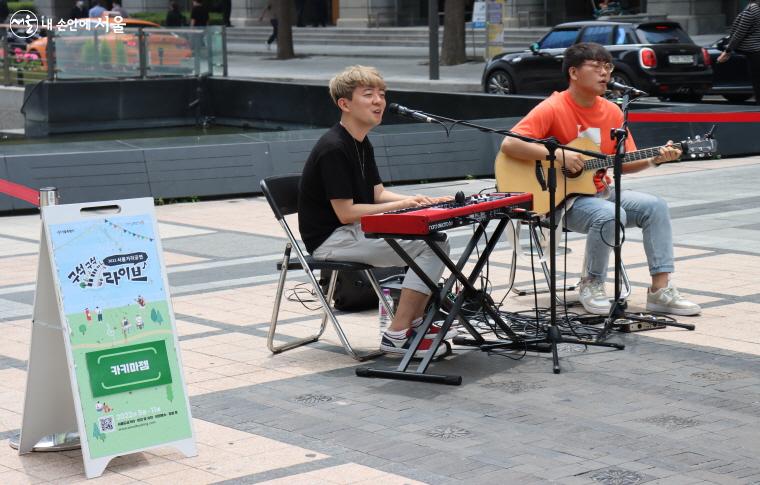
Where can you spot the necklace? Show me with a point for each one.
(360, 158)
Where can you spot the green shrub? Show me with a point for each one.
(156, 17)
(23, 5)
(121, 53)
(87, 54)
(105, 53)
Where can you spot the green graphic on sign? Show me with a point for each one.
(128, 368)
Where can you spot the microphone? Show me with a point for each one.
(616, 86)
(399, 110)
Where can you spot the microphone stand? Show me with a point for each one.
(554, 335)
(617, 310)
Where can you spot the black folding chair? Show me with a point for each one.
(281, 192)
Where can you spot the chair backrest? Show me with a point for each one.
(281, 192)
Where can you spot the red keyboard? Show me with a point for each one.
(447, 215)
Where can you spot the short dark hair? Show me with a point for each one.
(577, 54)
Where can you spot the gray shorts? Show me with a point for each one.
(348, 243)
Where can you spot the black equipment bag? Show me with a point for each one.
(353, 291)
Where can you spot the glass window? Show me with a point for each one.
(664, 34)
(624, 36)
(559, 38)
(601, 34)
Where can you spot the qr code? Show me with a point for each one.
(106, 424)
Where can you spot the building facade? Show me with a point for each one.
(697, 16)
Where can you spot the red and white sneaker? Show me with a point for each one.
(435, 328)
(395, 345)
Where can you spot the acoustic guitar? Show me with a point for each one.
(513, 175)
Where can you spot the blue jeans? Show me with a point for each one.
(595, 216)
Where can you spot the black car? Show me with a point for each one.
(731, 79)
(656, 57)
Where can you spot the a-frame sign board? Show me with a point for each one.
(104, 357)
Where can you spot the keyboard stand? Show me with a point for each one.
(403, 371)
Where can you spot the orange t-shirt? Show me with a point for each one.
(560, 116)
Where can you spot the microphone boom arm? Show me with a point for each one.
(433, 118)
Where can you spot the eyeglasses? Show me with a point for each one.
(599, 67)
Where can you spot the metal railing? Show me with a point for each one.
(143, 52)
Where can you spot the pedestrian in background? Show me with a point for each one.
(300, 7)
(226, 12)
(745, 39)
(268, 13)
(77, 11)
(97, 10)
(117, 9)
(4, 11)
(320, 13)
(174, 17)
(198, 15)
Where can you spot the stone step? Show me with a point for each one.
(391, 30)
(398, 34)
(409, 42)
(515, 39)
(522, 41)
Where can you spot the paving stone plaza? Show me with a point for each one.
(674, 407)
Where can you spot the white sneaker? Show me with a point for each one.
(669, 300)
(593, 297)
(269, 46)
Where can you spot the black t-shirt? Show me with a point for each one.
(334, 171)
(200, 14)
(174, 18)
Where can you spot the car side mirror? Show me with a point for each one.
(535, 48)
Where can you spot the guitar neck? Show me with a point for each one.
(609, 160)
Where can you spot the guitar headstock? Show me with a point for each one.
(699, 147)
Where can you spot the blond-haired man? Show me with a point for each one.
(340, 184)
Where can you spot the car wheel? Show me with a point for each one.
(499, 82)
(737, 98)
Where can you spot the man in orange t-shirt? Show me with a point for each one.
(580, 111)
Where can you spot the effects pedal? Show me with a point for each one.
(629, 326)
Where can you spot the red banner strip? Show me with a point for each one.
(20, 192)
(718, 117)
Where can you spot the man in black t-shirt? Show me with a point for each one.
(340, 184)
(198, 15)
